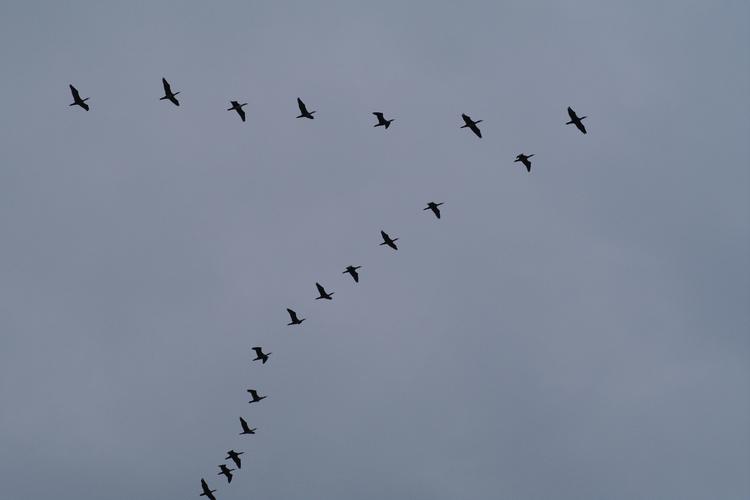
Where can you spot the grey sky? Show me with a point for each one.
(577, 333)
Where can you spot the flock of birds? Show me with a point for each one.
(295, 320)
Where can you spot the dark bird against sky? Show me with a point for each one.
(434, 207)
(352, 270)
(322, 294)
(303, 113)
(207, 492)
(246, 428)
(382, 122)
(388, 241)
(525, 160)
(255, 396)
(468, 122)
(77, 101)
(225, 471)
(575, 120)
(168, 94)
(260, 355)
(236, 106)
(234, 456)
(294, 318)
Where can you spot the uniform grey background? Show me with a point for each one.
(577, 333)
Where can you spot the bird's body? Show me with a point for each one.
(208, 493)
(303, 112)
(236, 106)
(434, 207)
(388, 241)
(322, 294)
(255, 396)
(352, 270)
(260, 355)
(382, 122)
(468, 122)
(234, 456)
(246, 429)
(525, 160)
(575, 120)
(293, 316)
(77, 101)
(168, 94)
(225, 471)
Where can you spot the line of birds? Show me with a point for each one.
(323, 294)
(472, 125)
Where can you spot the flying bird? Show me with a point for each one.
(525, 160)
(77, 99)
(254, 395)
(294, 318)
(260, 355)
(226, 471)
(575, 120)
(434, 207)
(468, 122)
(235, 457)
(353, 271)
(388, 241)
(207, 492)
(322, 292)
(168, 94)
(304, 113)
(382, 122)
(246, 429)
(238, 108)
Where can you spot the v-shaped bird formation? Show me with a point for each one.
(323, 294)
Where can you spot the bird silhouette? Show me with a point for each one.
(304, 113)
(353, 271)
(168, 94)
(388, 241)
(575, 120)
(254, 395)
(260, 355)
(235, 457)
(294, 318)
(525, 160)
(236, 106)
(468, 122)
(382, 122)
(226, 471)
(207, 492)
(77, 101)
(434, 207)
(322, 292)
(246, 429)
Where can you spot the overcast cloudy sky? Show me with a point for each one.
(581, 332)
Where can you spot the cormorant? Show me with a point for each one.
(238, 108)
(77, 99)
(525, 160)
(388, 241)
(382, 122)
(254, 395)
(207, 492)
(434, 207)
(303, 110)
(575, 120)
(353, 271)
(260, 355)
(168, 94)
(246, 429)
(235, 457)
(294, 318)
(226, 471)
(322, 292)
(468, 122)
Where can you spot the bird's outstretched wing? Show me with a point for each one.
(302, 107)
(74, 91)
(167, 88)
(321, 290)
